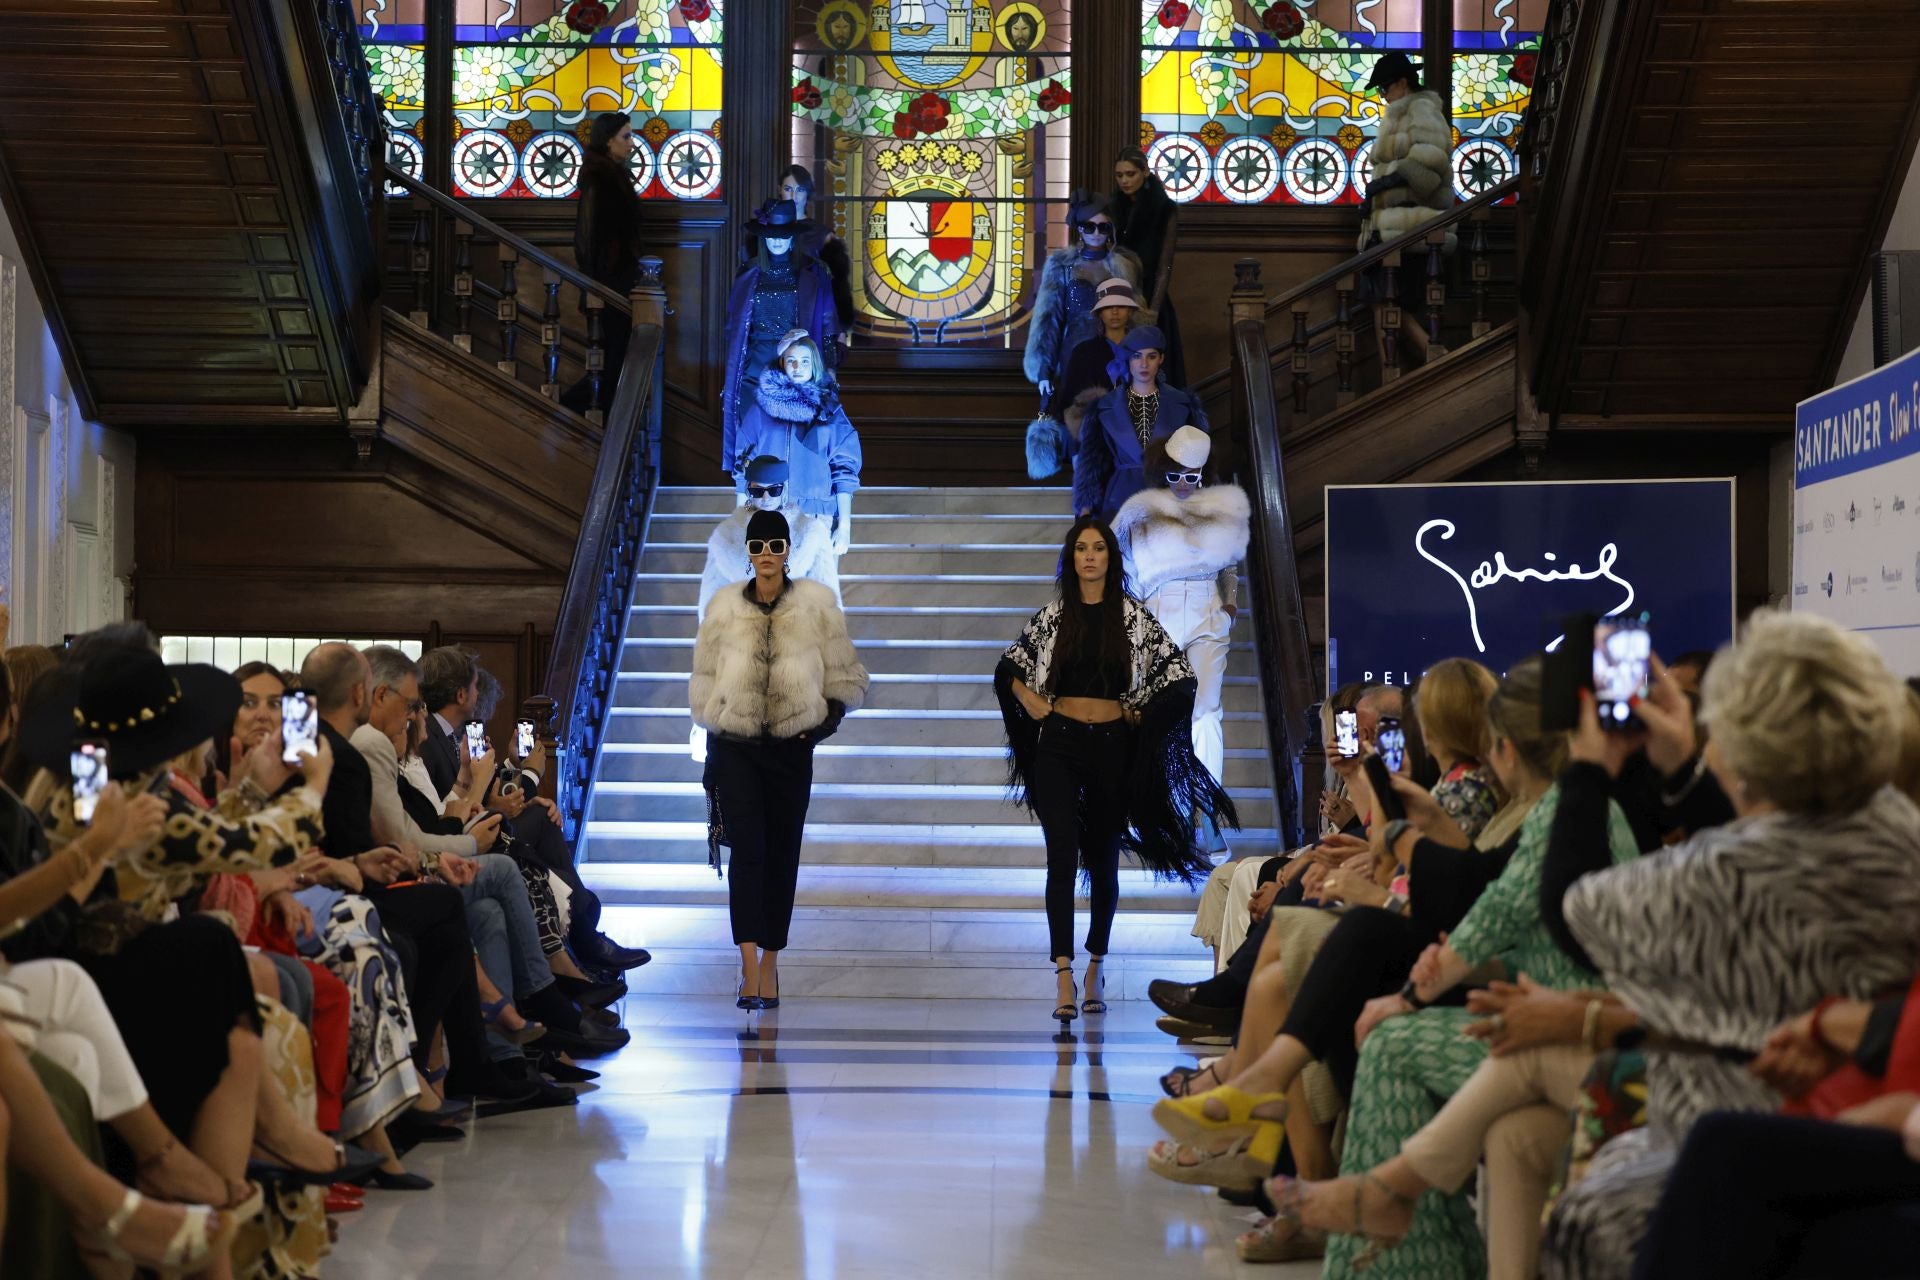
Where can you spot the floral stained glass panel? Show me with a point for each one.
(937, 132)
(1265, 101)
(1496, 47)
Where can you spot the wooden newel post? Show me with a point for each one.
(1343, 341)
(463, 286)
(1482, 271)
(596, 355)
(550, 335)
(649, 295)
(507, 309)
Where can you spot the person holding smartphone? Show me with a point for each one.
(774, 673)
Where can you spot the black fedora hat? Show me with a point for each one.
(778, 219)
(1394, 66)
(144, 710)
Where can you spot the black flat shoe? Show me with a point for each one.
(381, 1180)
(597, 994)
(1176, 999)
(351, 1164)
(567, 1072)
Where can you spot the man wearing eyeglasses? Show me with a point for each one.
(768, 490)
(1063, 307)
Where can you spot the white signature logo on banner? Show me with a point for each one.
(1488, 574)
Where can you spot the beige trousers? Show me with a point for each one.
(1515, 1110)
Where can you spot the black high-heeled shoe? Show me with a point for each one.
(745, 1001)
(1064, 1013)
(772, 1001)
(1094, 1004)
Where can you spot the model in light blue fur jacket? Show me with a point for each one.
(796, 415)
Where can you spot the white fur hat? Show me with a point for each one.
(788, 338)
(1189, 446)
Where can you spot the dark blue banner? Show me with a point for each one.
(1417, 573)
(1865, 423)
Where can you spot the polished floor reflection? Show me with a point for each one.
(861, 1139)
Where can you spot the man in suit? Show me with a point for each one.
(450, 683)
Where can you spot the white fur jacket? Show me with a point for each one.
(1165, 538)
(1415, 142)
(812, 555)
(771, 674)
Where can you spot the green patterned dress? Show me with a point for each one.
(1410, 1065)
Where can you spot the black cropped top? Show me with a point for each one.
(1084, 676)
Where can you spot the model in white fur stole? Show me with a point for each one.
(1164, 537)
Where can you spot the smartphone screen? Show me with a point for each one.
(299, 726)
(88, 764)
(1346, 734)
(1391, 742)
(476, 739)
(1622, 648)
(522, 739)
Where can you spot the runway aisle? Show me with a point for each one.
(858, 1139)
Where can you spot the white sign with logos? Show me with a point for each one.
(1856, 508)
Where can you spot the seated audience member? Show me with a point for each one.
(426, 922)
(451, 680)
(499, 915)
(1810, 892)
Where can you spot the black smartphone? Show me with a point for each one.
(1388, 800)
(1390, 740)
(1622, 653)
(522, 739)
(1346, 734)
(476, 739)
(299, 726)
(88, 764)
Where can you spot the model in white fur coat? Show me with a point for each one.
(771, 675)
(1412, 171)
(1183, 545)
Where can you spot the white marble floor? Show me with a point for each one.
(855, 1139)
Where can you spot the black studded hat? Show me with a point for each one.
(144, 710)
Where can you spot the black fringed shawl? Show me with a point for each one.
(1166, 782)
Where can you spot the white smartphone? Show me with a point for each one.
(476, 739)
(88, 765)
(522, 739)
(299, 726)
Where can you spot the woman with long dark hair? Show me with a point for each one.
(1098, 704)
(606, 244)
(1146, 220)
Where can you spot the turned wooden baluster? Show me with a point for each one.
(550, 336)
(1343, 341)
(596, 357)
(463, 286)
(1482, 272)
(420, 263)
(1436, 292)
(1301, 379)
(1389, 317)
(507, 309)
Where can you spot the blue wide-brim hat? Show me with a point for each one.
(1146, 338)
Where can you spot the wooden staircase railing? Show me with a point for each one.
(446, 286)
(1263, 417)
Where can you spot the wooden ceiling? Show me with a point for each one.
(193, 252)
(1719, 176)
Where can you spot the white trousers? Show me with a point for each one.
(1191, 611)
(78, 1033)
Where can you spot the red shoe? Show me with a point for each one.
(351, 1190)
(344, 1204)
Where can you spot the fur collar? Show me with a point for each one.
(791, 401)
(1167, 538)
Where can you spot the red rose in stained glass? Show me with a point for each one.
(1283, 20)
(695, 10)
(1053, 97)
(1174, 14)
(806, 94)
(902, 125)
(585, 16)
(1523, 69)
(926, 114)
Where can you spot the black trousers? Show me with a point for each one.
(1367, 954)
(1756, 1196)
(428, 926)
(763, 788)
(1079, 791)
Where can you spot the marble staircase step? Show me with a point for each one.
(1049, 529)
(970, 691)
(838, 762)
(953, 889)
(1012, 560)
(931, 729)
(884, 657)
(1026, 593)
(1034, 500)
(861, 844)
(864, 802)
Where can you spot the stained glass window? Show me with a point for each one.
(393, 37)
(1496, 45)
(1266, 102)
(937, 130)
(530, 75)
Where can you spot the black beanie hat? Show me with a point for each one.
(767, 524)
